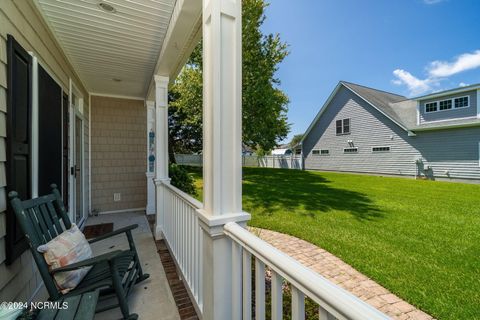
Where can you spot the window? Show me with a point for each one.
(431, 107)
(346, 126)
(324, 152)
(343, 126)
(339, 127)
(350, 150)
(315, 152)
(461, 102)
(381, 149)
(445, 104)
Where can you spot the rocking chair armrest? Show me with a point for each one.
(114, 233)
(106, 257)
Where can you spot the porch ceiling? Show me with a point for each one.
(106, 47)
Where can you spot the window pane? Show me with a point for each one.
(445, 104)
(346, 125)
(431, 107)
(339, 127)
(315, 152)
(350, 150)
(324, 152)
(461, 102)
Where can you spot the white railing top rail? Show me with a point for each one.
(337, 301)
(185, 196)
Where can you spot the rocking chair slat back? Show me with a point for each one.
(42, 219)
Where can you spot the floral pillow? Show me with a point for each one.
(68, 247)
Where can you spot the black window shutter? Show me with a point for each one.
(19, 120)
(49, 133)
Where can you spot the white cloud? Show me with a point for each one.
(437, 71)
(463, 62)
(415, 86)
(463, 84)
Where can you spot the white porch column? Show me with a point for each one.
(222, 167)
(161, 149)
(150, 209)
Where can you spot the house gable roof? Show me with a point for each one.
(380, 100)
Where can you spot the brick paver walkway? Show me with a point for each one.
(340, 273)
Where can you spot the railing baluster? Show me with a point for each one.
(298, 304)
(184, 237)
(259, 290)
(237, 281)
(247, 285)
(200, 265)
(324, 314)
(277, 296)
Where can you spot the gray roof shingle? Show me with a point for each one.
(394, 106)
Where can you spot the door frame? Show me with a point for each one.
(76, 111)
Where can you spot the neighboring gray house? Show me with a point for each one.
(360, 129)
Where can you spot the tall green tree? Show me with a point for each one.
(264, 105)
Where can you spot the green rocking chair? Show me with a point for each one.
(114, 273)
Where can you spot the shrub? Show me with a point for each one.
(181, 179)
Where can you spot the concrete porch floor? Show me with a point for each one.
(151, 299)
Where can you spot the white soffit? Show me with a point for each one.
(105, 47)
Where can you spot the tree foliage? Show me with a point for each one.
(264, 105)
(295, 140)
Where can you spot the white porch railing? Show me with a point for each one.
(334, 302)
(183, 234)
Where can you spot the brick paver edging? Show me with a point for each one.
(179, 291)
(342, 274)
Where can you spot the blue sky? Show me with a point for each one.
(409, 47)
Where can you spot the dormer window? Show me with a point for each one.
(446, 104)
(431, 106)
(461, 102)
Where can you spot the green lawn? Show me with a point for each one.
(420, 239)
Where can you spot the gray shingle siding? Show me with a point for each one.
(453, 150)
(366, 132)
(471, 111)
(449, 153)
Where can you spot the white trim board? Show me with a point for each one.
(478, 103)
(98, 94)
(448, 92)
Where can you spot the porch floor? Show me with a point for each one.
(152, 297)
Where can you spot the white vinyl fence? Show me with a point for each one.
(277, 161)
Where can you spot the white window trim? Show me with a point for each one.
(437, 102)
(467, 106)
(425, 106)
(356, 148)
(383, 151)
(319, 154)
(349, 126)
